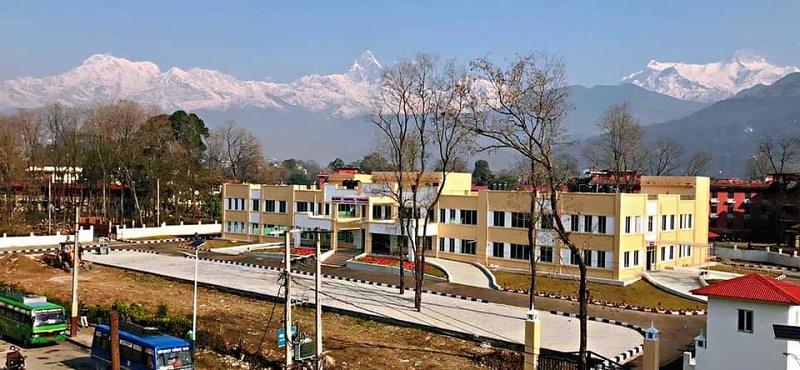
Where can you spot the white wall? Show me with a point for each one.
(757, 256)
(730, 349)
(84, 236)
(165, 230)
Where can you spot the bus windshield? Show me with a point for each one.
(176, 358)
(49, 317)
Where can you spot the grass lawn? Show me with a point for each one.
(157, 237)
(743, 271)
(220, 243)
(640, 293)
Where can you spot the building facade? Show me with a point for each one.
(619, 234)
(739, 328)
(737, 208)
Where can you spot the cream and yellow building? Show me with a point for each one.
(620, 235)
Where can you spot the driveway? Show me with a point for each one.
(463, 273)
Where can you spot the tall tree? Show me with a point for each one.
(373, 162)
(619, 146)
(664, 157)
(336, 164)
(419, 109)
(527, 101)
(481, 173)
(237, 150)
(698, 163)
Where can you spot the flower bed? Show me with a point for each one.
(299, 251)
(408, 265)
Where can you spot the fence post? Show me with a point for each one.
(532, 340)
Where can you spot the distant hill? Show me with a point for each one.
(732, 128)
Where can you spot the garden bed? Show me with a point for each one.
(394, 264)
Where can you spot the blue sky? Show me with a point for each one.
(601, 41)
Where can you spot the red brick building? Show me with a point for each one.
(737, 209)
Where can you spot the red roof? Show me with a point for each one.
(754, 287)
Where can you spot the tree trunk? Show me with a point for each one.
(419, 273)
(402, 275)
(583, 314)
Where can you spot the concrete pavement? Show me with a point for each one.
(488, 320)
(683, 280)
(462, 273)
(64, 355)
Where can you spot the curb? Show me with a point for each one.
(78, 343)
(488, 273)
(153, 241)
(333, 277)
(763, 267)
(624, 356)
(613, 304)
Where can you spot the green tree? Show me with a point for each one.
(336, 164)
(481, 174)
(373, 162)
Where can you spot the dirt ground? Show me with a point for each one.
(353, 343)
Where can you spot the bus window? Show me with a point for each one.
(49, 318)
(177, 359)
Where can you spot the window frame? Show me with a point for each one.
(744, 322)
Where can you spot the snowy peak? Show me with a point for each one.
(708, 82)
(366, 68)
(104, 77)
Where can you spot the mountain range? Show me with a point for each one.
(708, 82)
(321, 117)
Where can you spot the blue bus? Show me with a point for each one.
(141, 348)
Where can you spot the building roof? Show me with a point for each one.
(754, 287)
(738, 184)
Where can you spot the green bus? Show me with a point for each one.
(31, 319)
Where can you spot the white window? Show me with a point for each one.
(628, 222)
(574, 222)
(626, 259)
(690, 223)
(301, 206)
(601, 224)
(498, 219)
(269, 206)
(587, 224)
(650, 224)
(636, 258)
(745, 322)
(546, 254)
(282, 206)
(664, 222)
(671, 252)
(672, 222)
(663, 253)
(637, 224)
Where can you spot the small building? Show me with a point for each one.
(739, 328)
(737, 209)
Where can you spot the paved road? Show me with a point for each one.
(63, 355)
(490, 320)
(462, 273)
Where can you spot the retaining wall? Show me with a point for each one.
(124, 232)
(84, 236)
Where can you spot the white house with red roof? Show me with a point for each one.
(739, 328)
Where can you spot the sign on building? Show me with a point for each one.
(350, 200)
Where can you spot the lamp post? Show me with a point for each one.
(194, 295)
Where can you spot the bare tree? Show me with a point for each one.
(664, 157)
(420, 110)
(527, 102)
(781, 155)
(237, 150)
(619, 147)
(698, 163)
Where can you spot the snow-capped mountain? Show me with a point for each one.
(106, 78)
(708, 82)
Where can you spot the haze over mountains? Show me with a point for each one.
(321, 117)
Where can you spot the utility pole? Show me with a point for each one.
(287, 317)
(194, 305)
(318, 298)
(49, 206)
(73, 323)
(114, 340)
(158, 202)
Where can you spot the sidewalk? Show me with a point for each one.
(84, 337)
(462, 273)
(682, 281)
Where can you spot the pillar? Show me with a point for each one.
(533, 339)
(651, 349)
(334, 226)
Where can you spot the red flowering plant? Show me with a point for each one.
(408, 265)
(299, 251)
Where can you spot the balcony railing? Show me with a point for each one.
(714, 200)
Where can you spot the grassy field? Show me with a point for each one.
(221, 243)
(743, 271)
(640, 293)
(353, 343)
